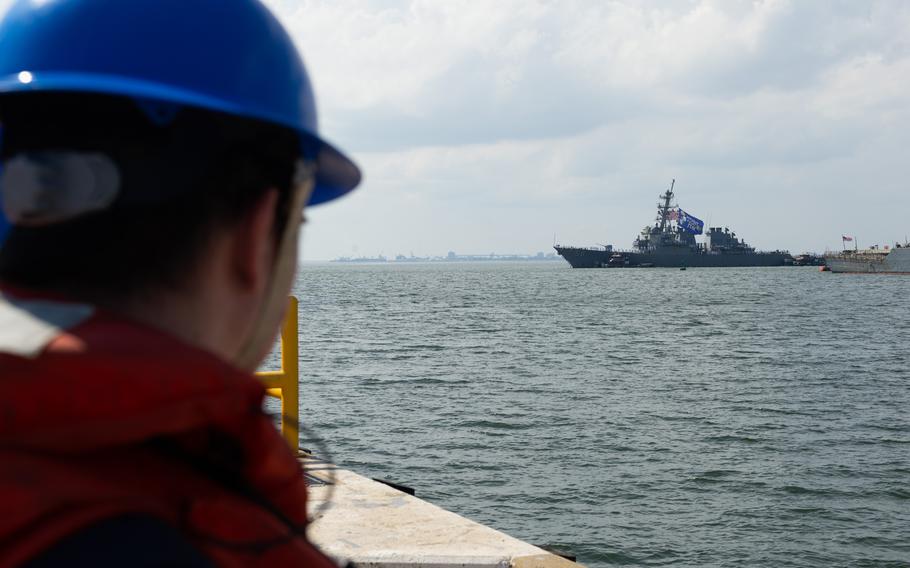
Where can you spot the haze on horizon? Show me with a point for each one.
(493, 126)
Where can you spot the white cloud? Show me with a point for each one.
(786, 119)
(491, 125)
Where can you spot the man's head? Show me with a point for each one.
(157, 163)
(174, 196)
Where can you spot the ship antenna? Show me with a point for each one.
(664, 209)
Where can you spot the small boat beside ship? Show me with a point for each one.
(670, 243)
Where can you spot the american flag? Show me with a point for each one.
(673, 215)
(846, 238)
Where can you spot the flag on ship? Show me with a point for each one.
(673, 215)
(690, 224)
(846, 238)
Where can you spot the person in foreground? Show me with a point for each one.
(156, 159)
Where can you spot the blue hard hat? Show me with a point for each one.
(230, 56)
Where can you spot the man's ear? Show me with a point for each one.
(253, 243)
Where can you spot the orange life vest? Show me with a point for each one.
(103, 417)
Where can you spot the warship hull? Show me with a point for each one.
(603, 258)
(897, 261)
(670, 243)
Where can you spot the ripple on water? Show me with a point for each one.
(637, 418)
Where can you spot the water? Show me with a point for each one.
(712, 417)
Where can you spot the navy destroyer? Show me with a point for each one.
(671, 243)
(874, 260)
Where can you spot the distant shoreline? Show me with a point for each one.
(451, 257)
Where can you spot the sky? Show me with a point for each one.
(498, 126)
(505, 126)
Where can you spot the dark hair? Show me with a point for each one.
(184, 173)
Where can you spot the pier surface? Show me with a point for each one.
(374, 525)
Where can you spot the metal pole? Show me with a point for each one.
(285, 384)
(290, 390)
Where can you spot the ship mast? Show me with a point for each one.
(663, 209)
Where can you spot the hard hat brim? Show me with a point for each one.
(336, 174)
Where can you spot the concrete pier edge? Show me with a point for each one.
(374, 525)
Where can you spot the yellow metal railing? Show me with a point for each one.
(284, 384)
